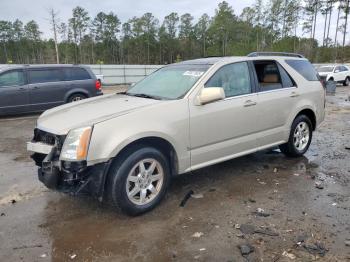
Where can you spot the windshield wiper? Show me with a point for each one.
(144, 96)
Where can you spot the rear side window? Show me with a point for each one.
(44, 75)
(75, 73)
(12, 78)
(305, 68)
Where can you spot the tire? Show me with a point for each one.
(346, 81)
(292, 149)
(126, 168)
(76, 97)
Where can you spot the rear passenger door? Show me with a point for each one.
(46, 89)
(13, 92)
(277, 96)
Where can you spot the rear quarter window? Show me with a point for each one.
(75, 73)
(305, 68)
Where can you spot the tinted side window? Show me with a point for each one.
(75, 73)
(12, 78)
(233, 78)
(344, 69)
(44, 75)
(305, 68)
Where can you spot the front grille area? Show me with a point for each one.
(44, 137)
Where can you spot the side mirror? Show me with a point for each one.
(337, 71)
(210, 94)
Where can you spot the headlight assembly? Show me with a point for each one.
(76, 144)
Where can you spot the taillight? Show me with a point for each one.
(98, 85)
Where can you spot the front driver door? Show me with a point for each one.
(13, 92)
(227, 128)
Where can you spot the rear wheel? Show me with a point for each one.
(300, 137)
(138, 180)
(346, 81)
(76, 97)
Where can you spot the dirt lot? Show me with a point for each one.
(299, 223)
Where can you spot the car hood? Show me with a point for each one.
(61, 119)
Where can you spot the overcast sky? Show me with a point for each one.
(27, 10)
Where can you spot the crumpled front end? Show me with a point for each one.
(73, 177)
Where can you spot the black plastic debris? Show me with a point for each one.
(185, 199)
(316, 249)
(2, 214)
(13, 201)
(246, 249)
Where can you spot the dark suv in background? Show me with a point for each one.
(35, 88)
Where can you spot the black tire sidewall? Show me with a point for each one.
(119, 175)
(70, 99)
(295, 151)
(347, 81)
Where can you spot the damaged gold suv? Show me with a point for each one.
(126, 147)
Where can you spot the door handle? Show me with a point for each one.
(22, 89)
(294, 94)
(35, 87)
(249, 103)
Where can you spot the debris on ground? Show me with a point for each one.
(319, 185)
(202, 249)
(246, 249)
(347, 243)
(275, 170)
(27, 246)
(251, 200)
(186, 198)
(72, 256)
(266, 231)
(247, 229)
(347, 147)
(261, 212)
(13, 201)
(198, 234)
(2, 214)
(302, 238)
(197, 196)
(250, 229)
(315, 249)
(289, 255)
(43, 255)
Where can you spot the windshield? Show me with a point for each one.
(170, 82)
(325, 69)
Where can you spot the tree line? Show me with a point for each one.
(267, 25)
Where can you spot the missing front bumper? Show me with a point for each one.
(75, 178)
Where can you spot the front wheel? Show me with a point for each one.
(346, 81)
(300, 137)
(139, 180)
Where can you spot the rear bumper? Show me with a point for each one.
(74, 177)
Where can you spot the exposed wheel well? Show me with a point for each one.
(158, 143)
(311, 115)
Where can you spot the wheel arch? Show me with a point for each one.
(310, 114)
(158, 143)
(74, 92)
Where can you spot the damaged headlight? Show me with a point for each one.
(76, 144)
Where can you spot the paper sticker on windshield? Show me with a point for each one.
(193, 73)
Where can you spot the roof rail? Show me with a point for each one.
(255, 54)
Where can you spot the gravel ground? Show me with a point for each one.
(263, 205)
